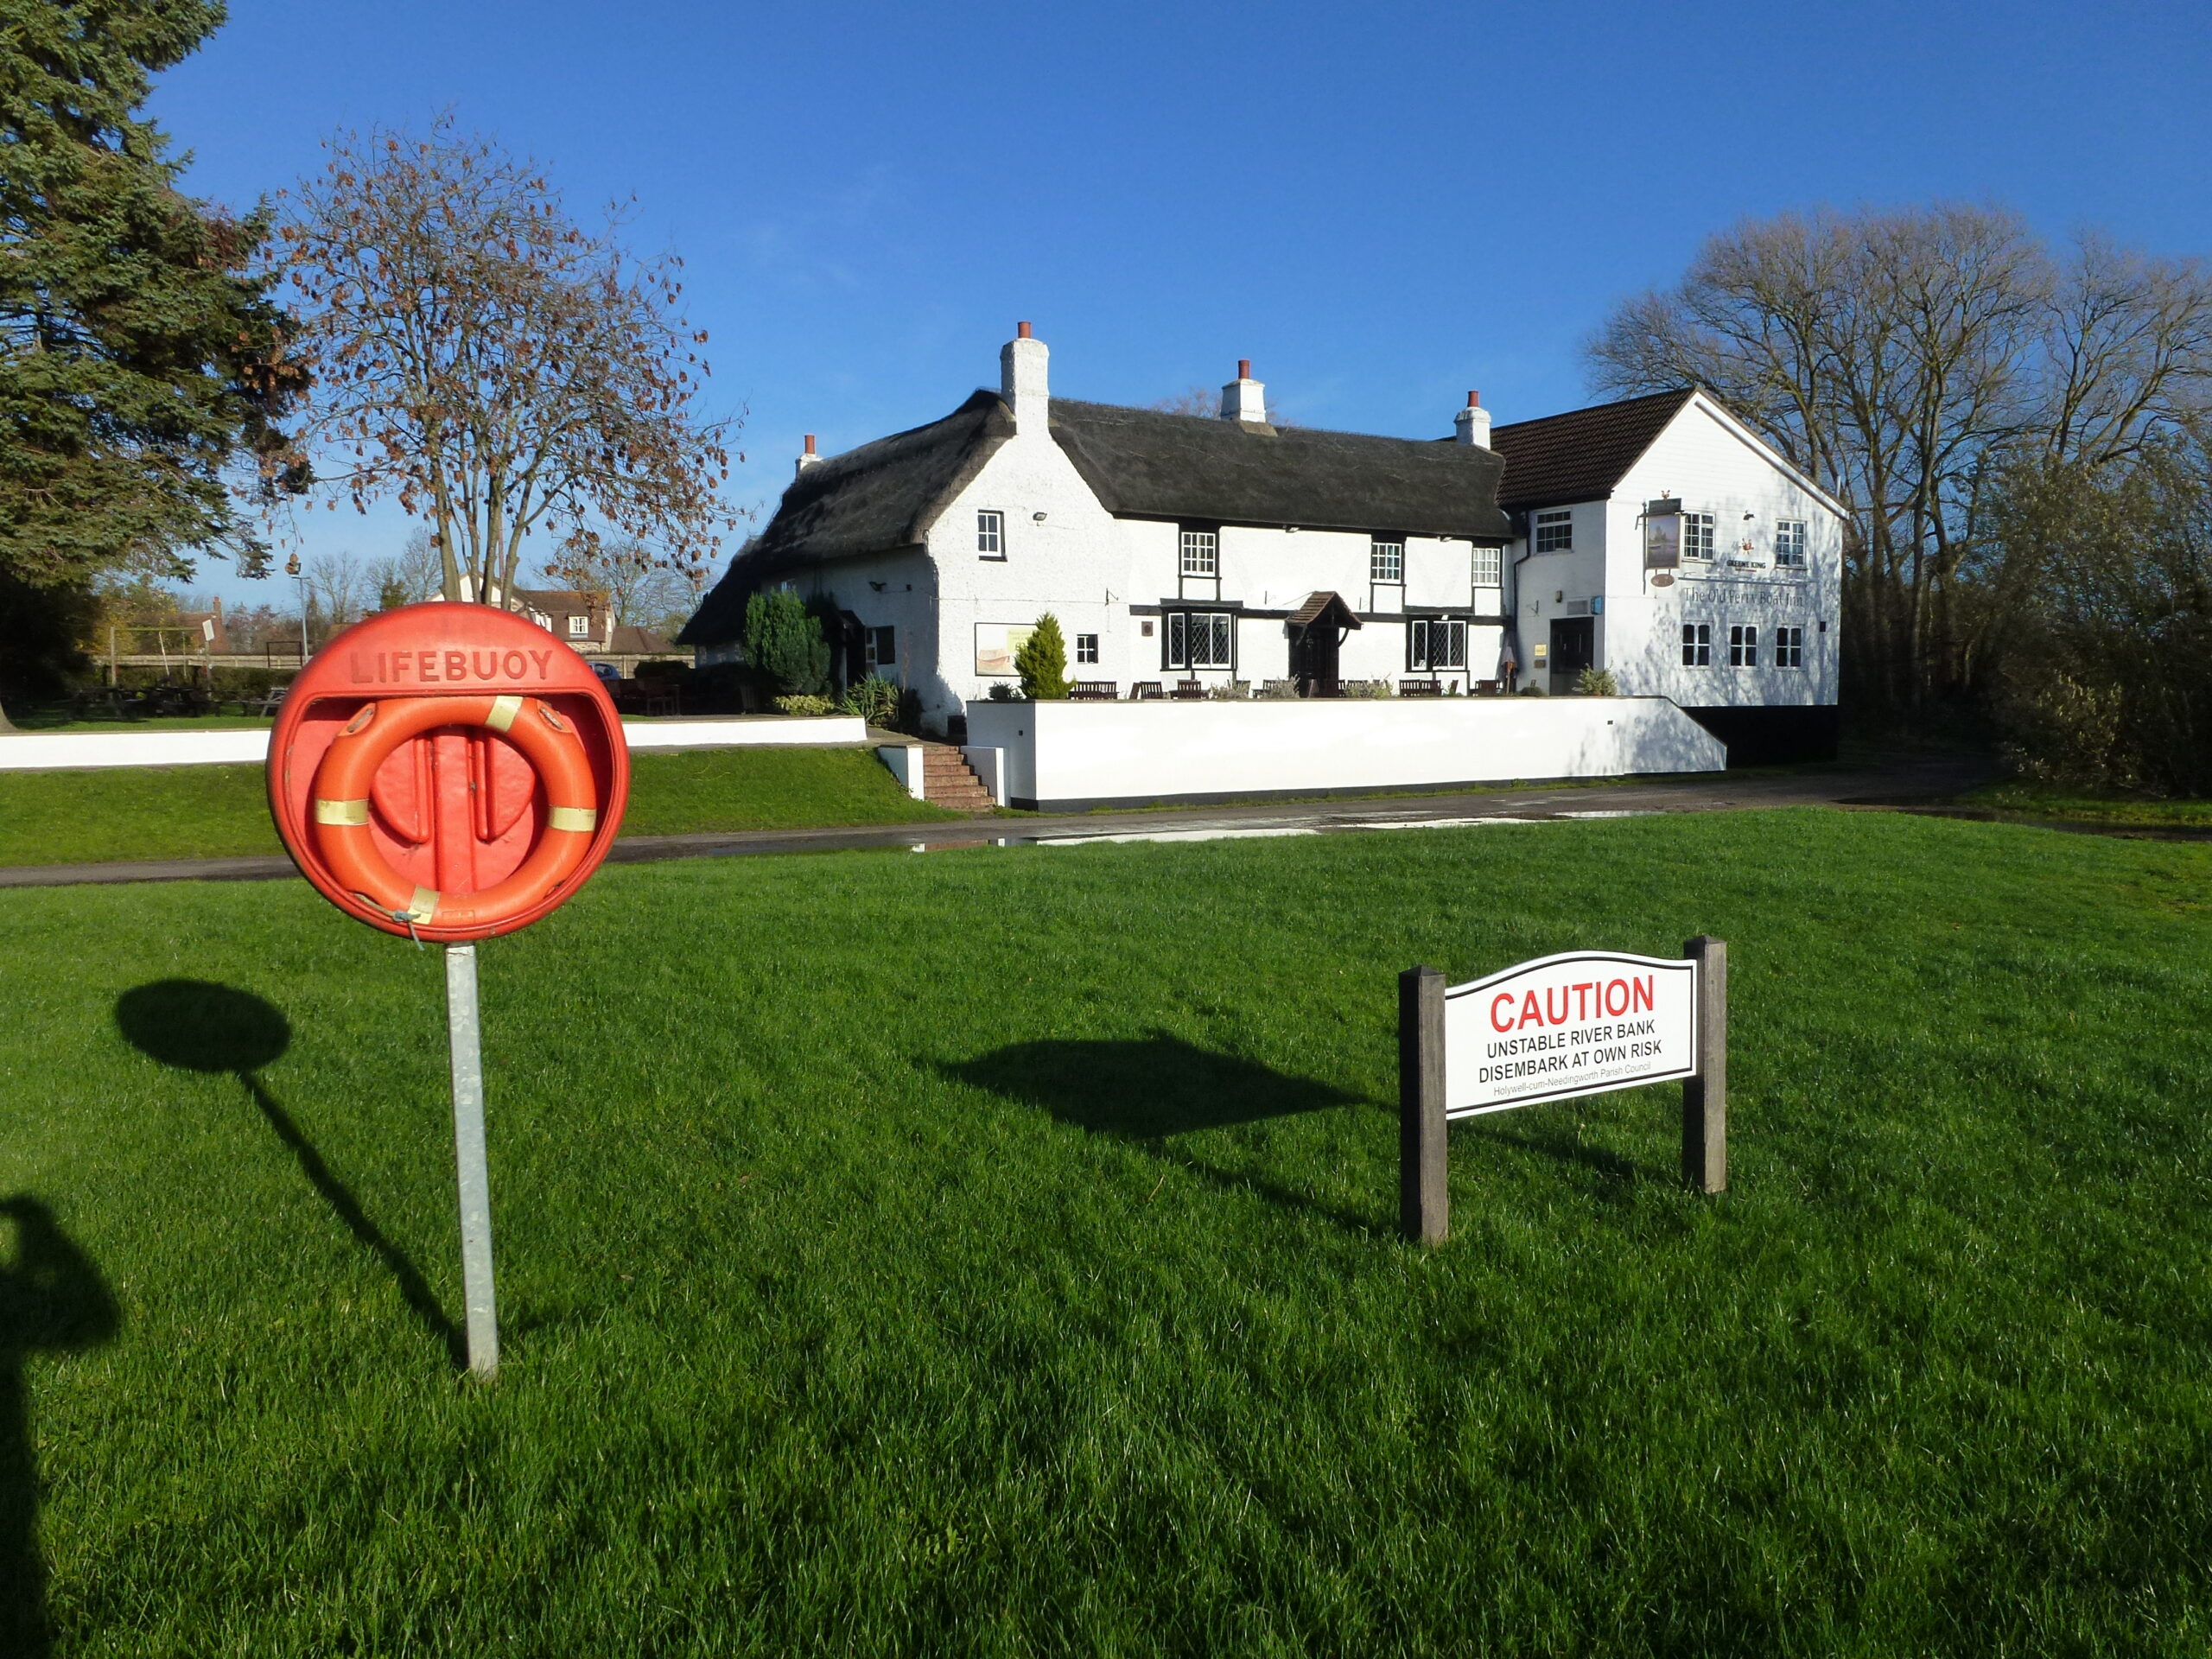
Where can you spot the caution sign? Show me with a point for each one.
(1580, 1023)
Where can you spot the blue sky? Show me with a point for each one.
(1382, 205)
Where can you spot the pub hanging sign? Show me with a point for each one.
(1663, 534)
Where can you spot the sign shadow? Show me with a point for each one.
(1149, 1090)
(196, 1025)
(52, 1300)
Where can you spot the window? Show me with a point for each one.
(882, 647)
(1743, 646)
(1789, 546)
(1697, 645)
(1386, 561)
(1789, 647)
(1697, 536)
(1086, 647)
(1436, 642)
(1201, 553)
(1488, 561)
(580, 627)
(1200, 639)
(990, 535)
(1555, 531)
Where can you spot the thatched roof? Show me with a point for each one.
(1140, 462)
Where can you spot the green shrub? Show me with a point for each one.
(1366, 689)
(875, 699)
(805, 705)
(1596, 683)
(1001, 692)
(785, 645)
(1042, 662)
(1232, 691)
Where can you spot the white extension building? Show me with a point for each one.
(1659, 538)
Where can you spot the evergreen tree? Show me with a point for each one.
(1042, 662)
(785, 643)
(139, 353)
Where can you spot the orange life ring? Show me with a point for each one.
(339, 807)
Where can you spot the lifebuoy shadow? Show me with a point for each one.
(197, 1026)
(52, 1300)
(1151, 1089)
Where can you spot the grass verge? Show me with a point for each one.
(992, 1252)
(148, 812)
(2021, 800)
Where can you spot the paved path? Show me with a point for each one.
(1896, 784)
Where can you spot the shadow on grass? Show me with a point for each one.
(1618, 1172)
(1150, 1089)
(195, 1026)
(52, 1300)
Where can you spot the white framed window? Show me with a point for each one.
(1489, 565)
(1697, 537)
(1790, 545)
(1555, 531)
(1386, 560)
(1697, 645)
(579, 628)
(1201, 553)
(1086, 647)
(990, 534)
(1436, 642)
(1789, 647)
(883, 647)
(1200, 639)
(1743, 646)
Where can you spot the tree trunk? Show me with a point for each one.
(6, 725)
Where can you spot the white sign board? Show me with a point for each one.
(1580, 1023)
(996, 643)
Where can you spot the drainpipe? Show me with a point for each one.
(1522, 662)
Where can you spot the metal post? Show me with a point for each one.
(1424, 1200)
(461, 1026)
(1705, 1096)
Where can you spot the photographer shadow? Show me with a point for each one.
(195, 1026)
(52, 1300)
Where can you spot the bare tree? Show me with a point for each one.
(1900, 358)
(495, 368)
(410, 576)
(1192, 400)
(338, 591)
(639, 590)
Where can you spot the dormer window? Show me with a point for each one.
(1386, 559)
(580, 627)
(990, 534)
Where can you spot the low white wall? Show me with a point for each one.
(51, 751)
(1069, 755)
(905, 761)
(990, 767)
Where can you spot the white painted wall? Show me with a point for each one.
(1713, 464)
(59, 750)
(1074, 753)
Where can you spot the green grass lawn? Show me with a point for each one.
(993, 1252)
(61, 817)
(2046, 801)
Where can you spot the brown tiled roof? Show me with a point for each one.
(1582, 455)
(1318, 604)
(629, 637)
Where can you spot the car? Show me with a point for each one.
(609, 676)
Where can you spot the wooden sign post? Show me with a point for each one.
(1581, 1023)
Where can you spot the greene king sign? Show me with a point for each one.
(1575, 1024)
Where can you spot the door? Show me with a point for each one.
(1313, 657)
(1575, 647)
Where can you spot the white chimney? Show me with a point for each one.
(1244, 399)
(1022, 380)
(1473, 422)
(808, 458)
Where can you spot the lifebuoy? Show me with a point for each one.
(339, 807)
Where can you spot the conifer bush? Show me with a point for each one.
(1042, 662)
